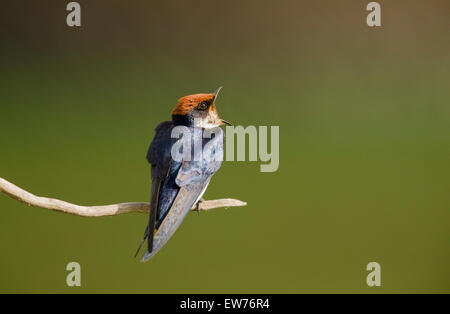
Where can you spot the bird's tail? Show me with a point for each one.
(181, 206)
(142, 242)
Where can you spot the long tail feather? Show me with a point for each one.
(142, 242)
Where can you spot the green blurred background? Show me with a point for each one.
(364, 120)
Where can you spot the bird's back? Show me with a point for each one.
(178, 184)
(165, 169)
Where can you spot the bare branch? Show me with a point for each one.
(26, 197)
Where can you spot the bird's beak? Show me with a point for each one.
(225, 122)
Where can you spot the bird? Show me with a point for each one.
(178, 184)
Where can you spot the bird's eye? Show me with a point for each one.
(202, 106)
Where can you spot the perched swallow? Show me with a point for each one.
(177, 185)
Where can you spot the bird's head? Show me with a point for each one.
(197, 110)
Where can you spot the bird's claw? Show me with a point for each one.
(197, 207)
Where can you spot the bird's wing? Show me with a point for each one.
(158, 156)
(186, 197)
